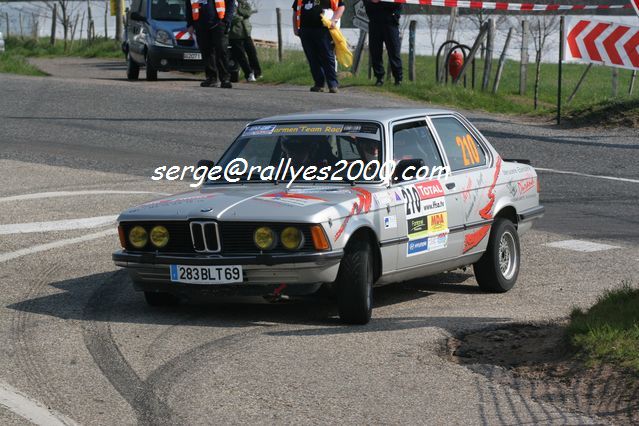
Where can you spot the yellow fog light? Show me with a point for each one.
(264, 238)
(292, 238)
(138, 237)
(159, 236)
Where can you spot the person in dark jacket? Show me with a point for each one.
(211, 22)
(242, 46)
(316, 39)
(383, 28)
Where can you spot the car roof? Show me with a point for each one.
(382, 115)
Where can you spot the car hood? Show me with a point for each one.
(256, 202)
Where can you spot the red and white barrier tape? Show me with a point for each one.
(519, 7)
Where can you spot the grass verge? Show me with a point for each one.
(17, 64)
(608, 331)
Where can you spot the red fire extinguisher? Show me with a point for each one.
(455, 64)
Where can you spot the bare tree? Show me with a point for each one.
(479, 17)
(541, 31)
(435, 23)
(66, 11)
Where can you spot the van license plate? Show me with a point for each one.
(192, 56)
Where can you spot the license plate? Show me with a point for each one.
(206, 274)
(193, 56)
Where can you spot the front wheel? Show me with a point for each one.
(498, 268)
(355, 284)
(151, 72)
(132, 69)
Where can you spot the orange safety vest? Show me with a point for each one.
(298, 11)
(220, 8)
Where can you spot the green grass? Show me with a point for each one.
(595, 91)
(17, 64)
(609, 331)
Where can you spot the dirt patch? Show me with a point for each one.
(611, 114)
(536, 360)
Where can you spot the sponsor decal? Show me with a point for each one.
(526, 185)
(390, 222)
(292, 199)
(362, 205)
(259, 130)
(417, 246)
(430, 189)
(438, 222)
(319, 190)
(417, 227)
(426, 216)
(438, 241)
(184, 201)
(473, 239)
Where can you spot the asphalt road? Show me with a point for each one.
(78, 345)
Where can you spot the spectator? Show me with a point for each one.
(241, 42)
(383, 29)
(211, 22)
(316, 39)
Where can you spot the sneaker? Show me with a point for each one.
(208, 83)
(251, 78)
(226, 85)
(398, 82)
(317, 89)
(333, 90)
(379, 82)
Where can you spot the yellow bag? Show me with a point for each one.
(342, 53)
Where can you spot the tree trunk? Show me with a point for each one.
(537, 73)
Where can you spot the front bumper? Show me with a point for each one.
(172, 59)
(150, 271)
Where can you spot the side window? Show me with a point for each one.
(135, 6)
(462, 149)
(143, 7)
(413, 141)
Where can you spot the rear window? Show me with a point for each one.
(462, 150)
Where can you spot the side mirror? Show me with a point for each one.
(404, 165)
(137, 17)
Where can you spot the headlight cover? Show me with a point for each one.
(138, 237)
(159, 236)
(265, 238)
(163, 38)
(291, 238)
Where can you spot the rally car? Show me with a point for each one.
(266, 237)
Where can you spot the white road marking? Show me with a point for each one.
(580, 245)
(563, 172)
(56, 194)
(35, 412)
(56, 244)
(57, 225)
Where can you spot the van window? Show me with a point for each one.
(462, 150)
(168, 10)
(135, 6)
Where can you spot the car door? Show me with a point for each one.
(471, 183)
(425, 216)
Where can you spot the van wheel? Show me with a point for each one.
(355, 284)
(132, 69)
(497, 270)
(151, 72)
(160, 299)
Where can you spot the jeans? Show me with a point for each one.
(320, 54)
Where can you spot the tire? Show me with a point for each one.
(151, 72)
(160, 299)
(355, 284)
(132, 69)
(498, 268)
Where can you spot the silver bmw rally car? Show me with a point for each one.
(348, 235)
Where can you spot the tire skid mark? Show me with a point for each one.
(98, 339)
(33, 369)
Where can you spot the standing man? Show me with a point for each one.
(211, 21)
(241, 42)
(383, 28)
(316, 39)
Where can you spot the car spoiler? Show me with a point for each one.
(517, 160)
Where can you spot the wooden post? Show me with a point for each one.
(54, 18)
(502, 61)
(278, 13)
(118, 20)
(488, 60)
(34, 26)
(359, 50)
(452, 22)
(81, 27)
(6, 18)
(20, 21)
(523, 64)
(632, 82)
(581, 80)
(562, 37)
(473, 52)
(106, 19)
(615, 82)
(412, 29)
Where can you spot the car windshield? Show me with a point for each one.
(336, 145)
(168, 10)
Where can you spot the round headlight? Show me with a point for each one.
(138, 237)
(264, 238)
(292, 238)
(159, 236)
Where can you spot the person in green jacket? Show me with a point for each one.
(242, 46)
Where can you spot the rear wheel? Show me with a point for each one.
(355, 284)
(151, 72)
(132, 69)
(498, 268)
(160, 299)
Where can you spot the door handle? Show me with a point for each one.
(450, 185)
